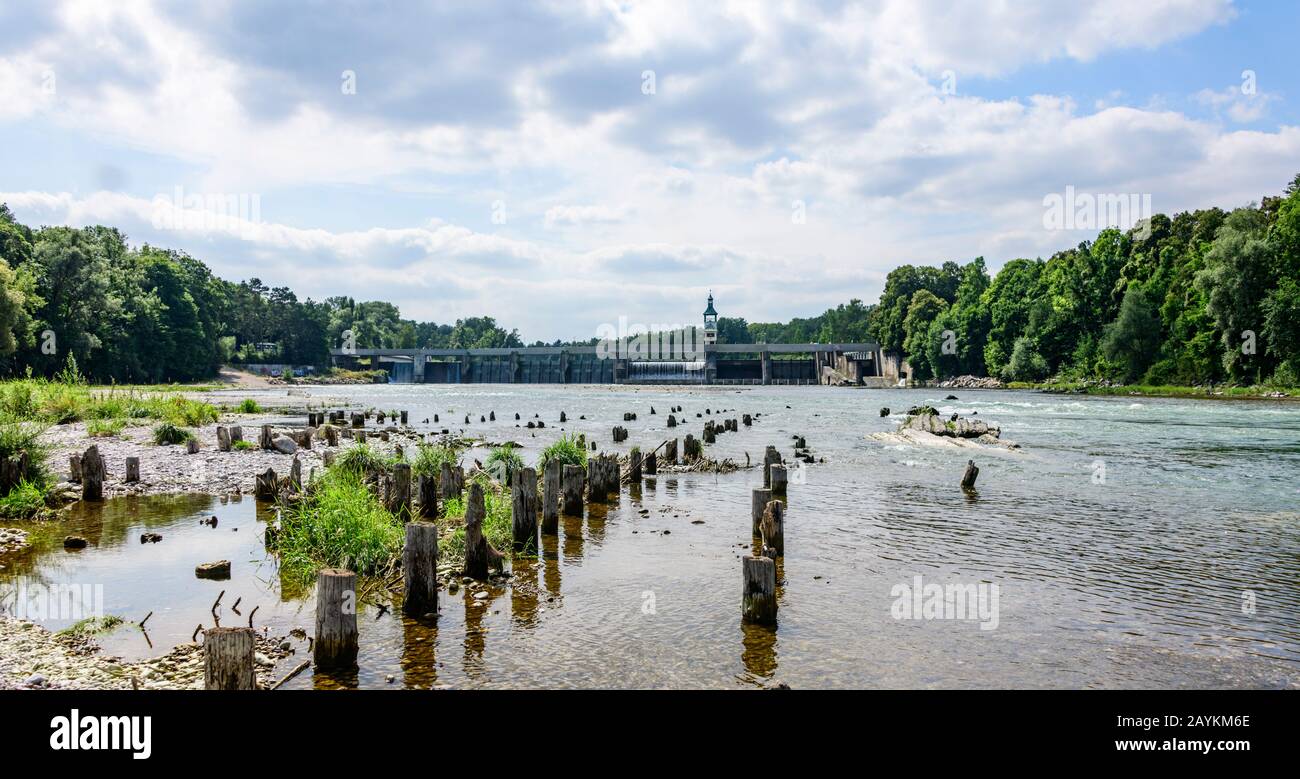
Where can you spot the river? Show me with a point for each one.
(1133, 542)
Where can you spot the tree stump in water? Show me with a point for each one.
(710, 435)
(634, 465)
(428, 489)
(769, 457)
(672, 421)
(404, 417)
(132, 469)
(777, 475)
(551, 498)
(595, 487)
(651, 464)
(223, 438)
(453, 481)
(358, 420)
(524, 511)
(266, 486)
(572, 484)
(758, 603)
(773, 527)
(399, 497)
(92, 474)
(968, 478)
(759, 499)
(335, 645)
(479, 554)
(691, 448)
(420, 569)
(228, 659)
(670, 452)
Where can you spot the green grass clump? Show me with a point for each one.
(25, 501)
(360, 460)
(167, 433)
(568, 450)
(340, 523)
(92, 626)
(105, 428)
(248, 406)
(429, 459)
(242, 445)
(19, 437)
(503, 463)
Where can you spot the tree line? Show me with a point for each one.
(1203, 296)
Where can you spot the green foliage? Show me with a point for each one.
(430, 457)
(105, 428)
(26, 500)
(19, 436)
(497, 525)
(1026, 363)
(242, 446)
(566, 449)
(167, 433)
(339, 523)
(248, 406)
(94, 626)
(360, 460)
(503, 462)
(1132, 341)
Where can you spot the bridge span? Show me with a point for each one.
(848, 363)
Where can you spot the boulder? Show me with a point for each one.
(214, 570)
(284, 445)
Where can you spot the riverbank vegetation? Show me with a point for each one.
(567, 449)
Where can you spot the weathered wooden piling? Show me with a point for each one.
(770, 456)
(132, 470)
(968, 478)
(420, 569)
(74, 471)
(758, 601)
(572, 486)
(427, 487)
(651, 464)
(92, 474)
(399, 497)
(228, 659)
(672, 421)
(404, 416)
(452, 481)
(778, 478)
(524, 511)
(358, 420)
(634, 465)
(264, 438)
(670, 452)
(266, 485)
(710, 435)
(335, 644)
(772, 528)
(747, 420)
(479, 554)
(236, 434)
(551, 498)
(192, 446)
(223, 438)
(295, 474)
(331, 435)
(759, 498)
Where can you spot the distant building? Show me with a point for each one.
(710, 323)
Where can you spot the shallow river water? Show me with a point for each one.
(1134, 542)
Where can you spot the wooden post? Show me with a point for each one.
(132, 469)
(759, 499)
(358, 420)
(551, 498)
(479, 554)
(572, 484)
(192, 446)
(420, 569)
(331, 435)
(74, 469)
(769, 457)
(428, 489)
(92, 474)
(399, 498)
(758, 603)
(404, 416)
(236, 434)
(634, 465)
(228, 659)
(335, 645)
(453, 481)
(968, 478)
(266, 486)
(264, 440)
(524, 511)
(773, 528)
(651, 464)
(223, 438)
(778, 478)
(295, 474)
(670, 452)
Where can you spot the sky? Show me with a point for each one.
(562, 165)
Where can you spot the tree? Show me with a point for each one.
(1132, 341)
(1026, 363)
(1236, 280)
(925, 308)
(732, 330)
(16, 301)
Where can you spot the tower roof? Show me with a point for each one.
(709, 311)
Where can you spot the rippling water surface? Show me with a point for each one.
(1128, 539)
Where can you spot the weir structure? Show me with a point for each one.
(759, 364)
